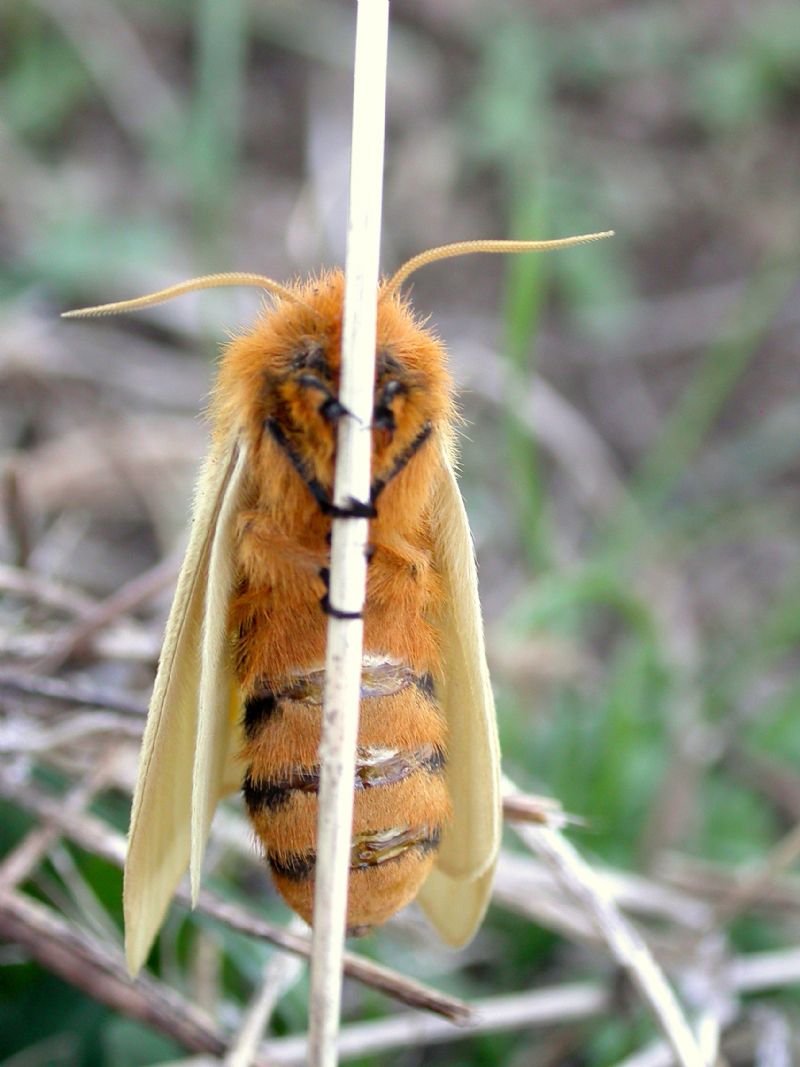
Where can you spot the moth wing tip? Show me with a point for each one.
(135, 951)
(194, 880)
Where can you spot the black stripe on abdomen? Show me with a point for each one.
(258, 710)
(274, 794)
(384, 678)
(365, 853)
(296, 866)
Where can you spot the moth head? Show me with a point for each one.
(280, 381)
(286, 375)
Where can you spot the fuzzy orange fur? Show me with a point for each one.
(374, 893)
(283, 543)
(415, 801)
(407, 720)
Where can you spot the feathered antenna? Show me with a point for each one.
(465, 248)
(206, 281)
(260, 281)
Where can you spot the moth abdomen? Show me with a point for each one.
(400, 802)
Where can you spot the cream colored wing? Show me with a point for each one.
(189, 743)
(216, 704)
(456, 893)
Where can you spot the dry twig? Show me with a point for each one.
(756, 883)
(520, 1011)
(131, 595)
(84, 696)
(623, 940)
(19, 863)
(348, 570)
(92, 967)
(280, 973)
(27, 583)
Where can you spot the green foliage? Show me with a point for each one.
(758, 72)
(130, 1044)
(44, 84)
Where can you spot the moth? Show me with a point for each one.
(237, 701)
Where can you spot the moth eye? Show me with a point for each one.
(387, 364)
(311, 357)
(311, 381)
(329, 408)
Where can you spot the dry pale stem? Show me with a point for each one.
(129, 596)
(623, 940)
(348, 570)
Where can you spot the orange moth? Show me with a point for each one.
(238, 693)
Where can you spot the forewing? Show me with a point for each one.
(217, 699)
(165, 796)
(456, 894)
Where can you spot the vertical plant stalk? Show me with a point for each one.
(348, 570)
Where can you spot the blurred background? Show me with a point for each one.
(630, 453)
